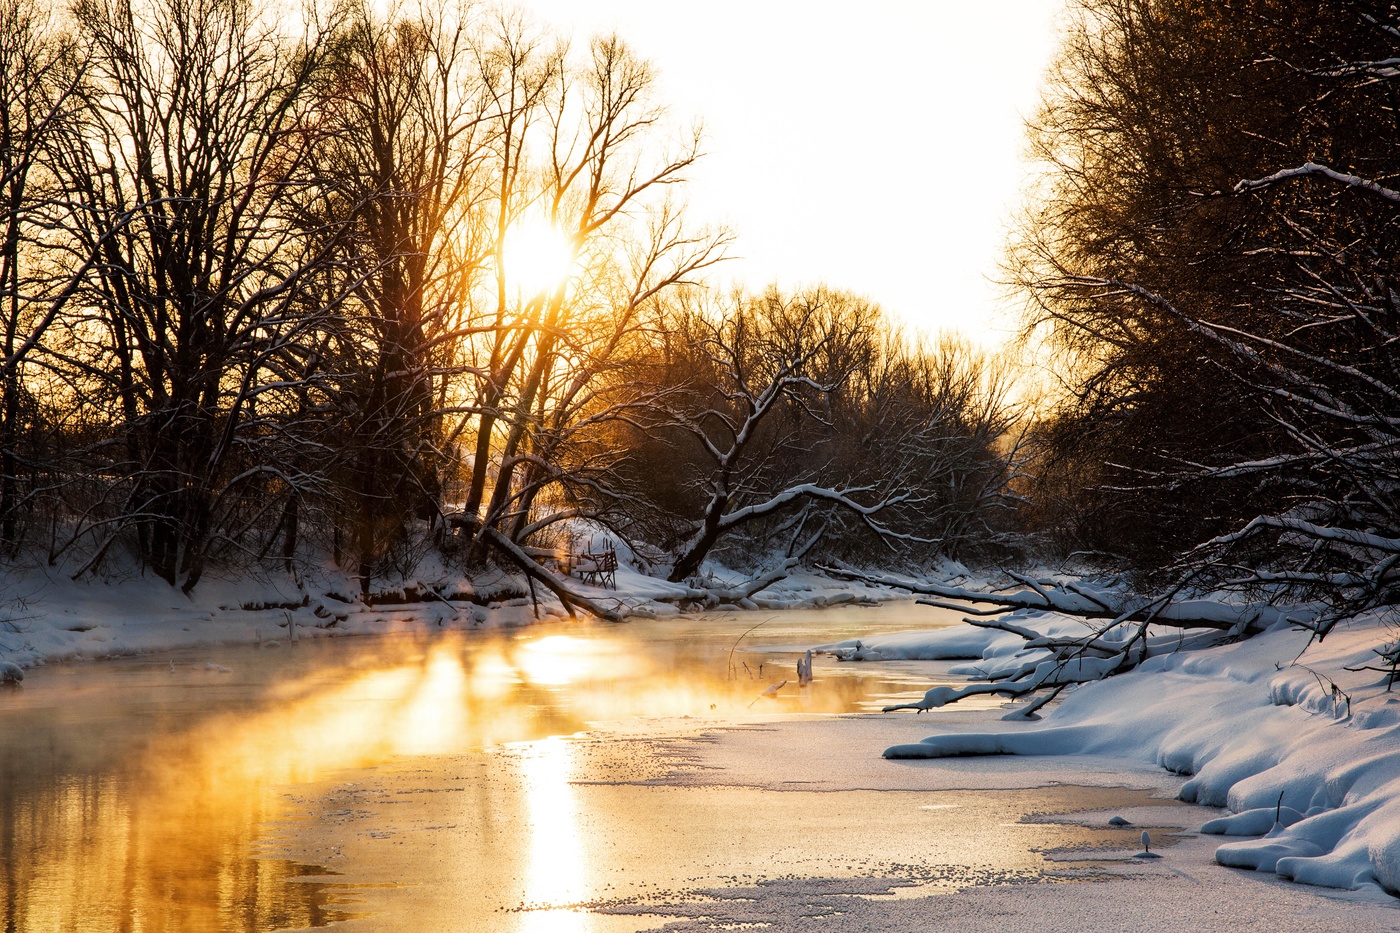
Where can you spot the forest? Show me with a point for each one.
(381, 287)
(331, 283)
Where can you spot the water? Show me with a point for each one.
(155, 794)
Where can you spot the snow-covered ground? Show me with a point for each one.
(45, 616)
(1301, 749)
(1291, 736)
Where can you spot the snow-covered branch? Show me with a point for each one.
(1077, 599)
(1113, 631)
(1313, 168)
(555, 584)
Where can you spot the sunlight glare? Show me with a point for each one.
(557, 659)
(434, 720)
(492, 676)
(556, 848)
(537, 256)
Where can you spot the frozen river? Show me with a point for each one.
(561, 778)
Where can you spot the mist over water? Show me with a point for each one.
(138, 794)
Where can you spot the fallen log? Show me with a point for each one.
(1075, 599)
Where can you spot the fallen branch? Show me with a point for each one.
(551, 582)
(1071, 662)
(1047, 663)
(709, 597)
(940, 604)
(1072, 599)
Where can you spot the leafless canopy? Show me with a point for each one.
(270, 291)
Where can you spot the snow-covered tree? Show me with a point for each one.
(1213, 252)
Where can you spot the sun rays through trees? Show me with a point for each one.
(378, 284)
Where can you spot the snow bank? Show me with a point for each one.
(48, 617)
(1306, 753)
(954, 642)
(45, 616)
(958, 643)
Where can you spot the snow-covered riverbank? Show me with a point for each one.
(1268, 727)
(45, 616)
(1295, 738)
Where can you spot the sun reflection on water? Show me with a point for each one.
(163, 839)
(435, 717)
(556, 660)
(555, 876)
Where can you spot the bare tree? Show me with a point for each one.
(1150, 112)
(763, 373)
(937, 423)
(194, 144)
(40, 74)
(1214, 257)
(518, 72)
(1331, 384)
(404, 165)
(571, 460)
(597, 181)
(1215, 242)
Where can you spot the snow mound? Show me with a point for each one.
(955, 642)
(961, 642)
(1254, 822)
(1309, 742)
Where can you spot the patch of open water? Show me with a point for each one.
(463, 782)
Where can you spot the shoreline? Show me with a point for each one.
(53, 619)
(1244, 722)
(772, 772)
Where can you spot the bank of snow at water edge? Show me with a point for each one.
(47, 616)
(1304, 751)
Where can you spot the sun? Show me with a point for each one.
(537, 257)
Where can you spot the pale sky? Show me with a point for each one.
(873, 145)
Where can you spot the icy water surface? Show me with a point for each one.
(437, 775)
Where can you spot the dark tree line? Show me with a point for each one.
(1210, 267)
(1213, 258)
(805, 422)
(265, 299)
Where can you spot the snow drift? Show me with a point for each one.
(1304, 751)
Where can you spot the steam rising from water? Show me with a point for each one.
(133, 798)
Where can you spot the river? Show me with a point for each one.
(555, 778)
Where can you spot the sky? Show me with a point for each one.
(872, 145)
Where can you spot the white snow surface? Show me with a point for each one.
(1248, 721)
(46, 616)
(1273, 726)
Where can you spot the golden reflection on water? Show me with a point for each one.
(163, 838)
(556, 660)
(165, 845)
(555, 876)
(435, 717)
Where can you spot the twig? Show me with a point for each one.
(741, 638)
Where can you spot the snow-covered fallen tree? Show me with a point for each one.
(1118, 631)
(615, 607)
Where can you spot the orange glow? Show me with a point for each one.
(558, 659)
(436, 715)
(537, 256)
(162, 844)
(556, 877)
